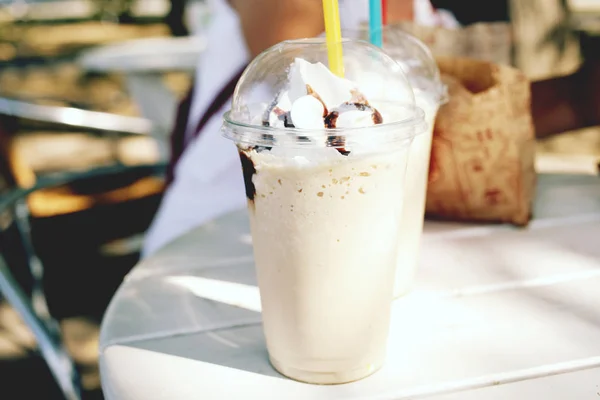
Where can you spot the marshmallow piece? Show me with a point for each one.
(307, 113)
(332, 89)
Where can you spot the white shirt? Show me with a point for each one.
(208, 180)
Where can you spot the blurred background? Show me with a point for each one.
(62, 63)
(93, 86)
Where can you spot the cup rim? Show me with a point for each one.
(396, 28)
(414, 121)
(317, 40)
(243, 133)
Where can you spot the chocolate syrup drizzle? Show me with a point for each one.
(248, 170)
(332, 117)
(358, 102)
(310, 91)
(331, 122)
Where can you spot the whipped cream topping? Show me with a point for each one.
(318, 99)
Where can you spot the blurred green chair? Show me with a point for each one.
(68, 238)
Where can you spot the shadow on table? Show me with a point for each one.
(207, 278)
(555, 194)
(242, 348)
(525, 298)
(574, 292)
(553, 265)
(185, 302)
(223, 242)
(558, 310)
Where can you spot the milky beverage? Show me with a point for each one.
(414, 201)
(306, 227)
(422, 71)
(429, 92)
(324, 221)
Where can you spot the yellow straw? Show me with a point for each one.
(333, 33)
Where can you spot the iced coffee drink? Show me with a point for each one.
(324, 160)
(422, 72)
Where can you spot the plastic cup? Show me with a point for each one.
(324, 206)
(429, 91)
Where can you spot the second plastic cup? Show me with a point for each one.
(422, 72)
(324, 202)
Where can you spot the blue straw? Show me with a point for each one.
(375, 23)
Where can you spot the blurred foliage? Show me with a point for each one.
(561, 34)
(52, 40)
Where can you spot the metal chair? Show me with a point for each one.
(70, 116)
(32, 306)
(33, 212)
(144, 63)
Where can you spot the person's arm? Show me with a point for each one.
(268, 22)
(567, 103)
(554, 105)
(399, 10)
(590, 86)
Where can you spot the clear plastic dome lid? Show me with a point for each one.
(291, 86)
(412, 54)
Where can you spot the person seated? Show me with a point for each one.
(205, 179)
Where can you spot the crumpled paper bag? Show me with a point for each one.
(489, 41)
(482, 159)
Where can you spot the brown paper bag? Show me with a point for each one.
(489, 41)
(482, 160)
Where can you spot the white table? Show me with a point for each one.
(499, 313)
(144, 62)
